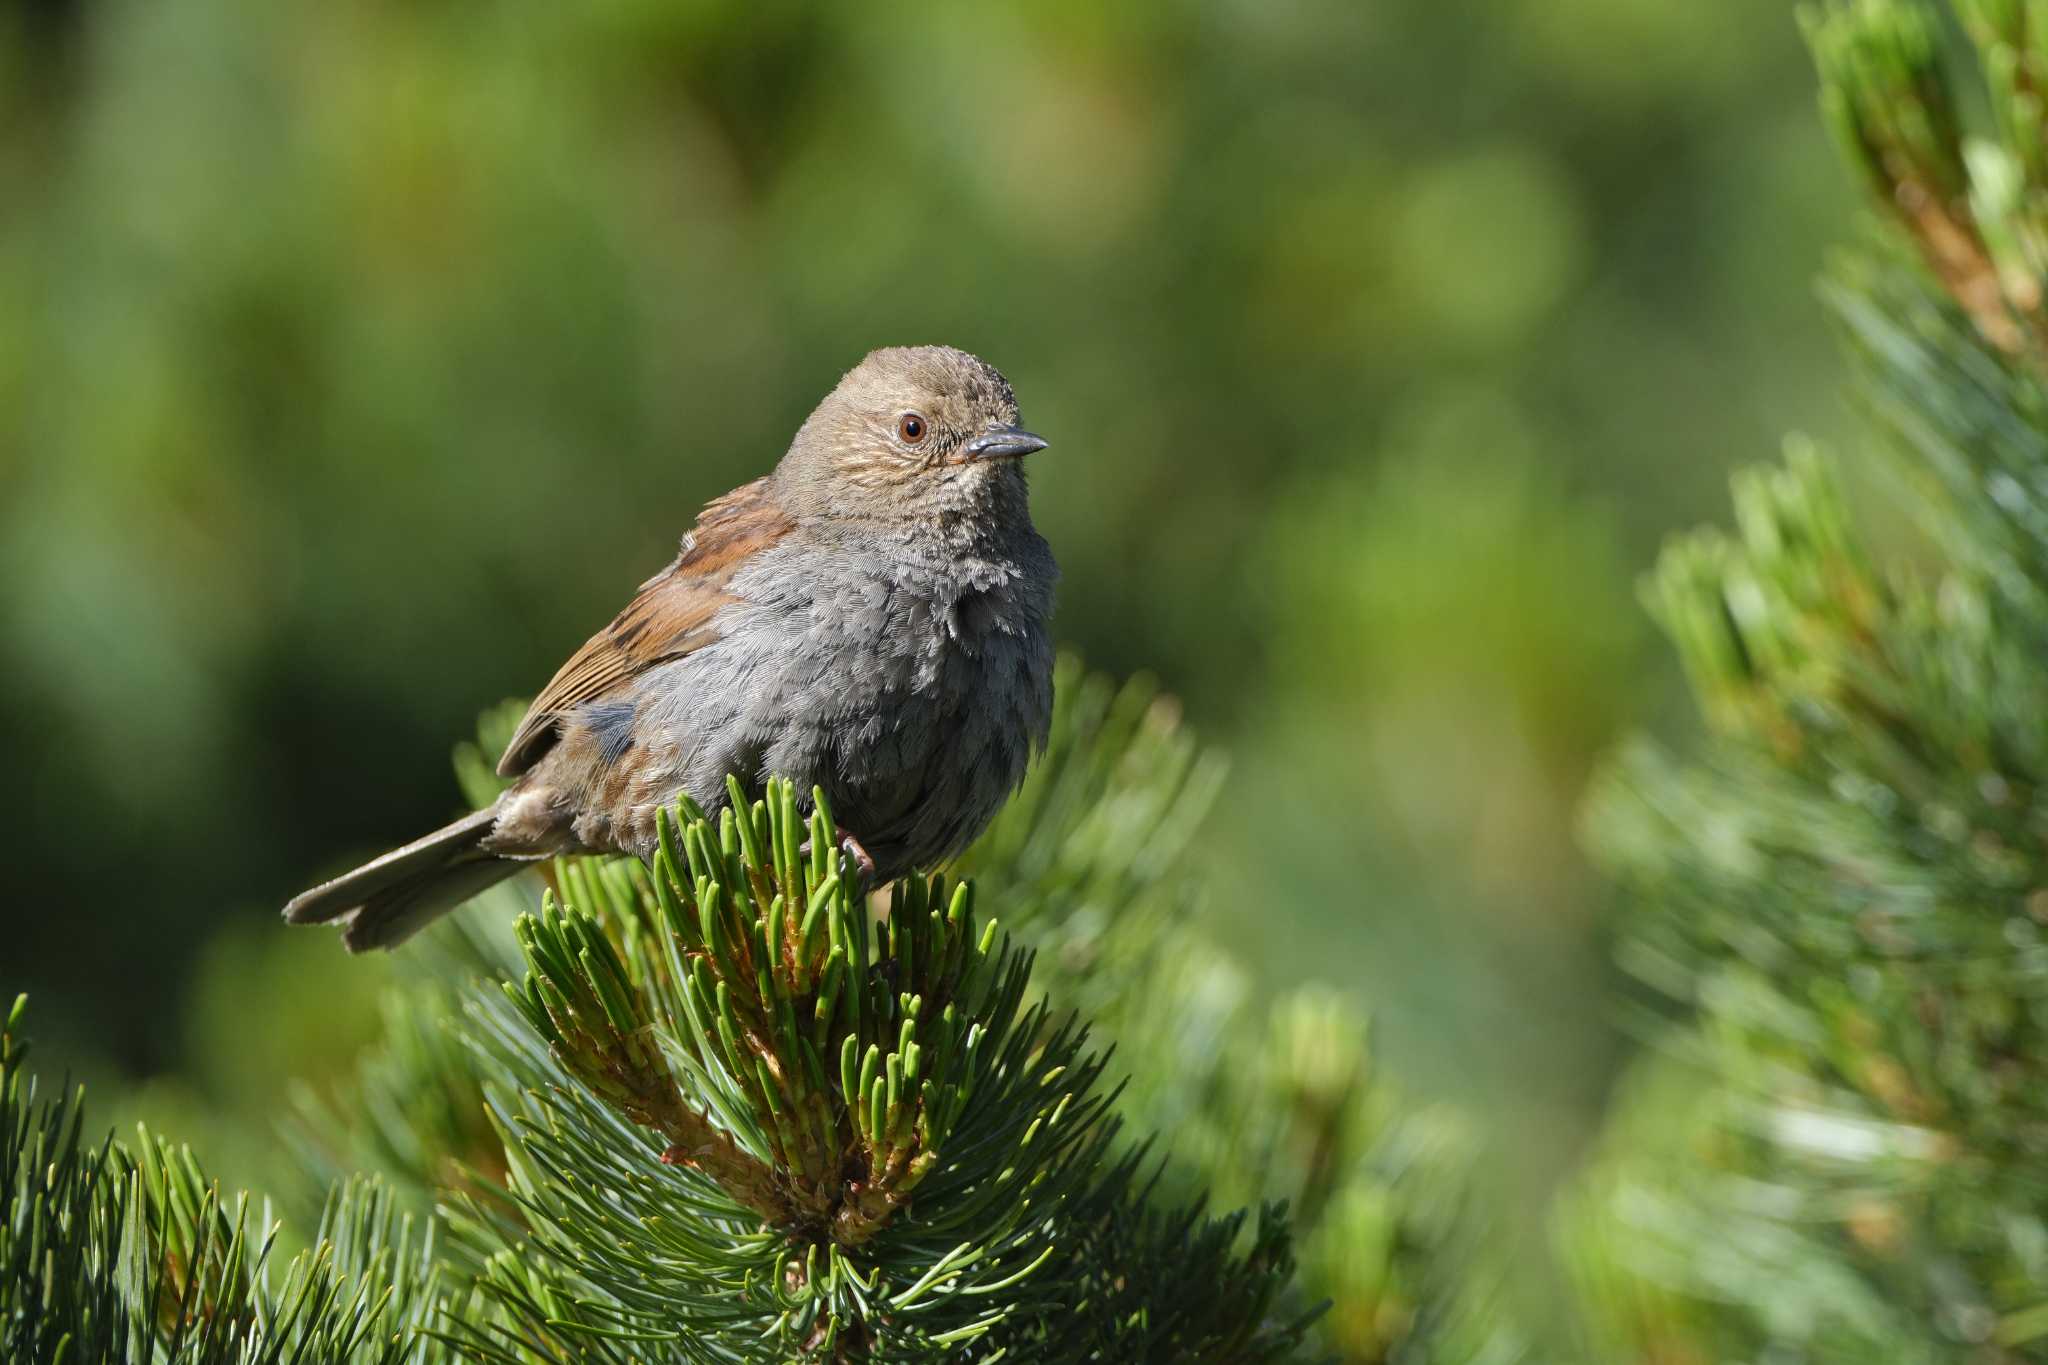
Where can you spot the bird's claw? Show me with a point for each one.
(853, 849)
(862, 859)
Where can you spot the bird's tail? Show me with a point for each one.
(384, 902)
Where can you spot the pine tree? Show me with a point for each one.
(722, 1109)
(1840, 1156)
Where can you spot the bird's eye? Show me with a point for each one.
(910, 427)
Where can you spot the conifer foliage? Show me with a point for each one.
(732, 1107)
(118, 1252)
(1848, 882)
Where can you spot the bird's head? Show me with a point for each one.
(912, 432)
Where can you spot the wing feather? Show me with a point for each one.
(671, 616)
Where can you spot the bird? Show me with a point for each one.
(871, 618)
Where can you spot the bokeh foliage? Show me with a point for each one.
(355, 360)
(1840, 1158)
(354, 357)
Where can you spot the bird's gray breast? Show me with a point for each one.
(912, 691)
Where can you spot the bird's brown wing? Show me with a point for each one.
(670, 616)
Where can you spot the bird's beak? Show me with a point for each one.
(1004, 443)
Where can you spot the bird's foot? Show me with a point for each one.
(862, 859)
(852, 848)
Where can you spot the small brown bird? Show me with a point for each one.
(870, 618)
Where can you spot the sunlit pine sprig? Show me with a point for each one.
(816, 1060)
(1975, 206)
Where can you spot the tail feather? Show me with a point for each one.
(389, 899)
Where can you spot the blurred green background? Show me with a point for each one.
(357, 359)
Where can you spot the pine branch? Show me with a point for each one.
(113, 1254)
(752, 1106)
(1092, 865)
(1846, 882)
(1975, 211)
